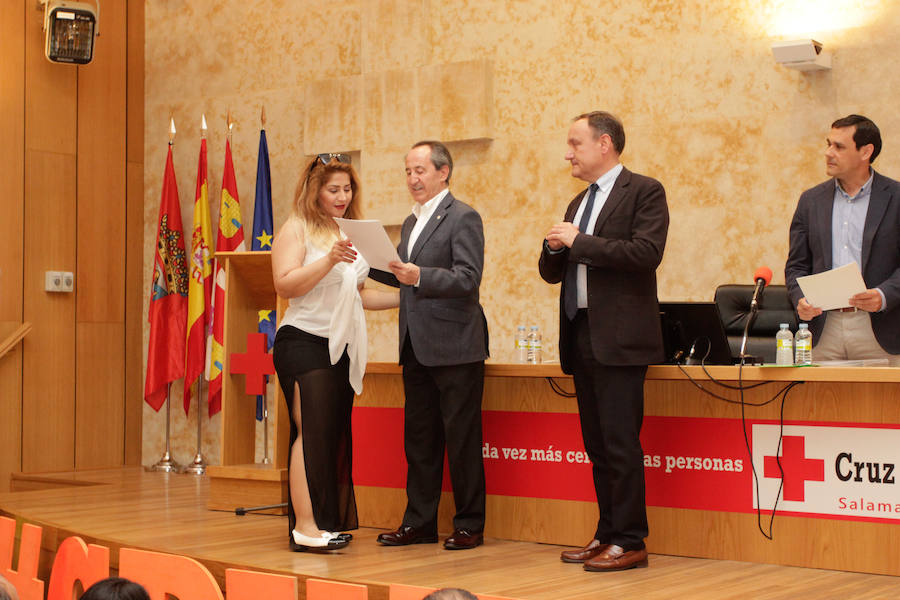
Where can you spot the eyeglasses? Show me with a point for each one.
(327, 158)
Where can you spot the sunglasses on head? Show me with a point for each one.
(327, 158)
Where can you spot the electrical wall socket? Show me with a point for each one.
(59, 281)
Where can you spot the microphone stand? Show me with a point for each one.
(747, 359)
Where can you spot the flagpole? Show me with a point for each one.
(265, 399)
(167, 464)
(198, 465)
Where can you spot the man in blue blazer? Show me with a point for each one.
(443, 345)
(852, 217)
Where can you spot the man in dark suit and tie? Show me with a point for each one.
(852, 217)
(443, 345)
(609, 326)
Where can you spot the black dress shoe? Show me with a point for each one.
(404, 536)
(344, 537)
(463, 539)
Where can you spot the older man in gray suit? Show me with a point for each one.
(443, 344)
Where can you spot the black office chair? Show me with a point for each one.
(775, 308)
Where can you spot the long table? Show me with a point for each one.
(838, 424)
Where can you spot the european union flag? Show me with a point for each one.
(262, 210)
(266, 326)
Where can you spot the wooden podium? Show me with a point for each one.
(238, 481)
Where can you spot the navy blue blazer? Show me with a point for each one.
(810, 252)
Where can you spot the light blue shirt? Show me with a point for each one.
(848, 219)
(604, 185)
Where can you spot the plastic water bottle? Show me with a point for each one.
(784, 346)
(521, 344)
(803, 345)
(534, 345)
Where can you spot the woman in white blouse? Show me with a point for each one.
(320, 349)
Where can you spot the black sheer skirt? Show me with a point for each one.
(326, 400)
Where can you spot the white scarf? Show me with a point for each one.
(348, 329)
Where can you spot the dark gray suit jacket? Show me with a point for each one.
(810, 251)
(443, 316)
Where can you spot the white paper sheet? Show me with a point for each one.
(832, 289)
(371, 240)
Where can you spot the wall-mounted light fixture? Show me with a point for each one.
(69, 30)
(802, 55)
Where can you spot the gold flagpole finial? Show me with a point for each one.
(230, 122)
(203, 126)
(171, 130)
(262, 116)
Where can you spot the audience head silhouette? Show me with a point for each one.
(116, 588)
(450, 594)
(7, 591)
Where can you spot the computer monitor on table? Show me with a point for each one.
(697, 326)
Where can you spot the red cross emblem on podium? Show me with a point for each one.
(797, 468)
(256, 363)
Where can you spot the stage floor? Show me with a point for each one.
(167, 513)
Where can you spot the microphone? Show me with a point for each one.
(762, 277)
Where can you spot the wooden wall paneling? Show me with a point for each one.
(48, 374)
(50, 94)
(100, 279)
(134, 306)
(135, 81)
(134, 231)
(48, 388)
(12, 157)
(99, 390)
(100, 275)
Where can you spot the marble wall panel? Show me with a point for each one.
(391, 109)
(456, 100)
(333, 114)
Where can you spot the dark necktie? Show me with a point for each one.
(571, 293)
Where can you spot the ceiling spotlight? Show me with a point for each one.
(69, 31)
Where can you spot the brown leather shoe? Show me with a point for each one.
(592, 549)
(616, 558)
(463, 539)
(404, 536)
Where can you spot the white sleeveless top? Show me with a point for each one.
(333, 309)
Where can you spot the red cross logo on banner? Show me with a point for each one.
(797, 468)
(255, 364)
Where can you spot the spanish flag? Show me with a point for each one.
(200, 284)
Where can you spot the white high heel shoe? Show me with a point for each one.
(325, 541)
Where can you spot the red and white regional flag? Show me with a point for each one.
(168, 296)
(230, 238)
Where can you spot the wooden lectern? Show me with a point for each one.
(238, 481)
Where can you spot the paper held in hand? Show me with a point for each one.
(832, 289)
(371, 240)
